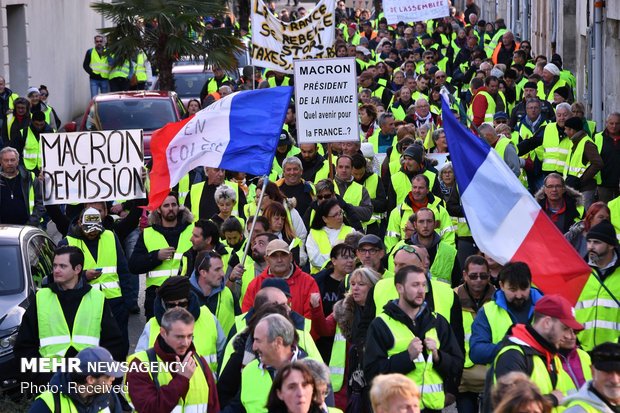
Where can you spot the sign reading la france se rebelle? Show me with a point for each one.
(414, 10)
(92, 166)
(326, 100)
(275, 44)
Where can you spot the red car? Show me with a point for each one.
(146, 110)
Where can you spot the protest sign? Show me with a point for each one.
(92, 166)
(414, 10)
(326, 100)
(275, 44)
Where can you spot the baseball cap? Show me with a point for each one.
(500, 115)
(91, 221)
(98, 360)
(275, 246)
(362, 49)
(558, 307)
(371, 239)
(606, 357)
(278, 283)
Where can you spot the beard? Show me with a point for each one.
(413, 302)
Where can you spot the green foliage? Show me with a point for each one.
(168, 36)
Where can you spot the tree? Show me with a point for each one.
(163, 28)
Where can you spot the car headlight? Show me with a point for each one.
(7, 342)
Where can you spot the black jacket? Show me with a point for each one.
(27, 344)
(350, 217)
(26, 181)
(380, 339)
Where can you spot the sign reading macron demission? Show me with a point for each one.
(92, 166)
(326, 100)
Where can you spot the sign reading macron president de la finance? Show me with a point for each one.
(326, 100)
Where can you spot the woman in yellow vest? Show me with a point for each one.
(226, 199)
(320, 373)
(44, 94)
(327, 228)
(293, 391)
(280, 225)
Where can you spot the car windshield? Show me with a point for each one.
(146, 114)
(188, 85)
(12, 275)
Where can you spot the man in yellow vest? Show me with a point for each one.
(601, 394)
(503, 145)
(159, 250)
(89, 390)
(20, 192)
(15, 126)
(371, 181)
(105, 264)
(209, 284)
(444, 264)
(188, 385)
(215, 83)
(205, 236)
(408, 338)
(532, 348)
(583, 161)
(66, 317)
(598, 306)
(351, 192)
(209, 337)
(475, 291)
(32, 157)
(484, 100)
(512, 304)
(275, 344)
(7, 100)
(96, 65)
(314, 166)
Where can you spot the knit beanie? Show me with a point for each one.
(415, 152)
(574, 123)
(174, 288)
(603, 231)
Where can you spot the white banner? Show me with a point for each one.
(326, 100)
(275, 44)
(414, 10)
(92, 166)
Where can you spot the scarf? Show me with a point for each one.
(556, 215)
(522, 333)
(417, 205)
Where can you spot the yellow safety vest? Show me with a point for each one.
(66, 403)
(272, 81)
(337, 362)
(225, 311)
(549, 97)
(255, 386)
(322, 241)
(574, 161)
(32, 160)
(401, 184)
(140, 68)
(205, 336)
(555, 151)
(108, 282)
(99, 63)
(197, 397)
(468, 320)
(499, 320)
(195, 193)
(352, 195)
(444, 262)
(598, 311)
(371, 184)
(153, 241)
(429, 381)
(488, 115)
(121, 71)
(54, 335)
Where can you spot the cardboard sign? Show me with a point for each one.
(275, 44)
(92, 166)
(326, 100)
(414, 10)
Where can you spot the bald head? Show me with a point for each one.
(416, 255)
(269, 295)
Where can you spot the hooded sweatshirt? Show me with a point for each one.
(590, 396)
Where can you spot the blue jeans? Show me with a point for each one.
(98, 84)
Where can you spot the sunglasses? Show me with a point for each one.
(180, 303)
(322, 197)
(410, 249)
(475, 275)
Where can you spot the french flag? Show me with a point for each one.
(505, 220)
(239, 132)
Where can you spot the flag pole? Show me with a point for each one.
(451, 99)
(249, 239)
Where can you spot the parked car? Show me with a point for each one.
(146, 110)
(188, 81)
(27, 256)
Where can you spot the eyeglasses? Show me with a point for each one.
(501, 121)
(322, 197)
(410, 249)
(337, 214)
(475, 275)
(179, 303)
(371, 251)
(554, 186)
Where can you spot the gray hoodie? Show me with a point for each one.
(587, 396)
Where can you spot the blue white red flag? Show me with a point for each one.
(505, 220)
(239, 132)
